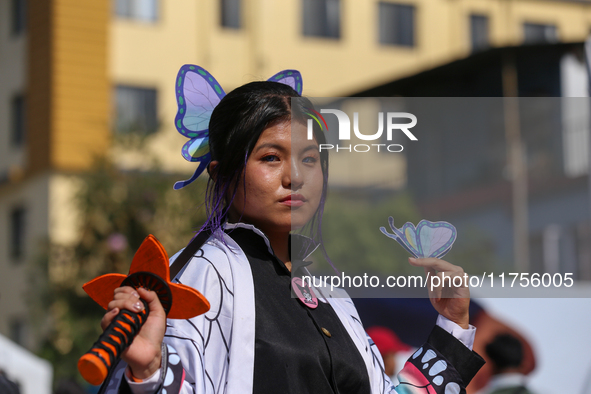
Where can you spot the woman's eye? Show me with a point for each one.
(310, 159)
(270, 158)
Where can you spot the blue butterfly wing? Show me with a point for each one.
(291, 78)
(436, 238)
(202, 166)
(197, 93)
(441, 254)
(407, 247)
(398, 237)
(401, 234)
(195, 148)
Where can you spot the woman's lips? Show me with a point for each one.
(293, 200)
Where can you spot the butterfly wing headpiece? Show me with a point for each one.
(197, 94)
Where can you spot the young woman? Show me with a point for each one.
(267, 179)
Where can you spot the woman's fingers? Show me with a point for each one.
(144, 354)
(434, 292)
(130, 303)
(108, 318)
(125, 292)
(153, 301)
(124, 298)
(124, 289)
(448, 289)
(444, 280)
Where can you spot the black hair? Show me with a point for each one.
(505, 351)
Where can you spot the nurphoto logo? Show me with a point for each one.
(344, 130)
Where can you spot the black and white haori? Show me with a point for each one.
(257, 338)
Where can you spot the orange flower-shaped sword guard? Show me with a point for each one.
(149, 269)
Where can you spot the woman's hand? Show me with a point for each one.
(144, 354)
(450, 301)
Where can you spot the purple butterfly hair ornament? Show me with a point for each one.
(197, 94)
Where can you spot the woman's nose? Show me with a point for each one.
(295, 175)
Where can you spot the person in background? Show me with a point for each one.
(389, 345)
(506, 355)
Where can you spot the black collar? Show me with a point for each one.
(255, 243)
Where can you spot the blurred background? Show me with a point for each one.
(89, 152)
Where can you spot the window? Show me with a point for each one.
(18, 16)
(135, 110)
(534, 33)
(322, 18)
(17, 331)
(478, 32)
(17, 233)
(17, 121)
(141, 10)
(230, 14)
(397, 24)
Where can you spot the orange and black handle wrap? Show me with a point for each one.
(94, 366)
(149, 270)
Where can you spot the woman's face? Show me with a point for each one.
(282, 183)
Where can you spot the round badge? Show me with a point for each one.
(304, 293)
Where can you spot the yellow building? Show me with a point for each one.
(76, 73)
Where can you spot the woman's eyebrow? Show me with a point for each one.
(271, 145)
(309, 147)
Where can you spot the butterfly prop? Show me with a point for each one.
(149, 269)
(427, 239)
(197, 94)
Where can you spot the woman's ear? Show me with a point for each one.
(212, 169)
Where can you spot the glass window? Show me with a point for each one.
(17, 233)
(141, 10)
(534, 33)
(322, 18)
(479, 32)
(18, 16)
(17, 331)
(396, 24)
(17, 121)
(135, 110)
(230, 14)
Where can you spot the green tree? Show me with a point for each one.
(118, 210)
(355, 244)
(351, 234)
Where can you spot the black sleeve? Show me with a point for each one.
(467, 362)
(442, 365)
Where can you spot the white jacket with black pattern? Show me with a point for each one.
(216, 350)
